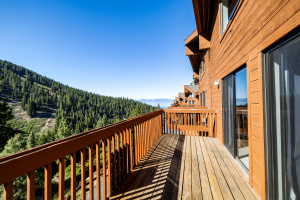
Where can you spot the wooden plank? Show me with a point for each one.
(204, 178)
(91, 171)
(141, 181)
(214, 185)
(179, 155)
(83, 174)
(114, 162)
(119, 159)
(187, 179)
(48, 184)
(182, 168)
(196, 181)
(236, 191)
(61, 179)
(109, 166)
(226, 192)
(31, 185)
(131, 148)
(8, 191)
(136, 170)
(98, 176)
(73, 176)
(155, 183)
(104, 168)
(240, 180)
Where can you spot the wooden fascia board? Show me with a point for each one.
(191, 37)
(203, 43)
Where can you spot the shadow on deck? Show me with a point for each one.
(186, 167)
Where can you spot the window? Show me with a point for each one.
(203, 99)
(227, 9)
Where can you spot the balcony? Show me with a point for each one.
(166, 154)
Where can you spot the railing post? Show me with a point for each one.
(48, 179)
(98, 169)
(83, 175)
(61, 182)
(91, 170)
(73, 176)
(31, 185)
(131, 148)
(109, 165)
(8, 191)
(114, 162)
(210, 125)
(104, 169)
(119, 164)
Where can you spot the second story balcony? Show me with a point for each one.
(166, 154)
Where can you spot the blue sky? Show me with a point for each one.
(132, 48)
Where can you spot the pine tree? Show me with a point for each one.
(63, 129)
(31, 140)
(24, 101)
(6, 114)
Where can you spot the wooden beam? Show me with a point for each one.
(204, 43)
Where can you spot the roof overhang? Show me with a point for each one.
(194, 46)
(203, 10)
(194, 89)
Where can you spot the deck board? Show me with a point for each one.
(186, 167)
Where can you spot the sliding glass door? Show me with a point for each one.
(235, 116)
(228, 113)
(282, 117)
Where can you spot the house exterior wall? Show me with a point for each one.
(255, 25)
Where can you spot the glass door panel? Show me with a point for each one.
(228, 113)
(242, 117)
(284, 117)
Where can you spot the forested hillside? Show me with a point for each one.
(75, 110)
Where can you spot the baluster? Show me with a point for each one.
(104, 168)
(119, 164)
(127, 149)
(83, 175)
(31, 185)
(48, 179)
(91, 170)
(61, 182)
(131, 148)
(109, 165)
(114, 162)
(73, 176)
(136, 145)
(98, 170)
(122, 155)
(8, 191)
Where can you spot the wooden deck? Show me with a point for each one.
(186, 167)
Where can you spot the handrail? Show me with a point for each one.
(132, 137)
(191, 121)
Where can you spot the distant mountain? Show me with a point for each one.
(241, 102)
(163, 103)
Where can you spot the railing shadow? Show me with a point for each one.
(159, 177)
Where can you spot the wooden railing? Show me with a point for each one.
(188, 121)
(121, 146)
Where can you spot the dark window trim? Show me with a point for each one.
(267, 112)
(230, 20)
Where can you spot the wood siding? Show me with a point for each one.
(255, 25)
